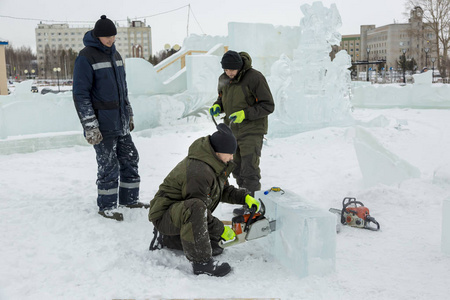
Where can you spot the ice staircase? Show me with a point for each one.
(170, 75)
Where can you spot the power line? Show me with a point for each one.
(161, 13)
(136, 18)
(65, 21)
(196, 19)
(43, 20)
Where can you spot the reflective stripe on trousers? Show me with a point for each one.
(117, 157)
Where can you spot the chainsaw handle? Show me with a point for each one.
(349, 200)
(371, 219)
(214, 120)
(252, 214)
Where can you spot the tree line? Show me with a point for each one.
(161, 55)
(22, 64)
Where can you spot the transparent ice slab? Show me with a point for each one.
(305, 237)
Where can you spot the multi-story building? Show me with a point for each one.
(352, 44)
(389, 42)
(413, 39)
(132, 41)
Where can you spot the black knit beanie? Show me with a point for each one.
(104, 27)
(223, 140)
(231, 60)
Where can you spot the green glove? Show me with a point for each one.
(215, 110)
(252, 201)
(228, 234)
(237, 117)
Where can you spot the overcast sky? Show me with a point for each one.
(207, 16)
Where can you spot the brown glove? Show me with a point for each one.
(131, 123)
(94, 136)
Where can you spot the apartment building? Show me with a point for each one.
(135, 40)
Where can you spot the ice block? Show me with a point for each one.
(305, 237)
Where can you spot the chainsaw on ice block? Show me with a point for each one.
(249, 226)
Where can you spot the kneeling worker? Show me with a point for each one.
(182, 208)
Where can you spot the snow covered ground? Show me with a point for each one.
(54, 245)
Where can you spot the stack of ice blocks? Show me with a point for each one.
(305, 237)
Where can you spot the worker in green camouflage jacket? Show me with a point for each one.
(246, 100)
(182, 208)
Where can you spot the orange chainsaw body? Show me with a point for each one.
(238, 227)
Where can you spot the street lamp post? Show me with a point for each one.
(433, 59)
(57, 70)
(426, 56)
(404, 65)
(367, 68)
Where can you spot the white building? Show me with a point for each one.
(132, 41)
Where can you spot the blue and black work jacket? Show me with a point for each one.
(99, 88)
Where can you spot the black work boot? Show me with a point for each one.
(216, 249)
(211, 268)
(111, 214)
(137, 205)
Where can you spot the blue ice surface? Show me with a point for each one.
(305, 237)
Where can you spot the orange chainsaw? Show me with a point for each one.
(355, 214)
(249, 226)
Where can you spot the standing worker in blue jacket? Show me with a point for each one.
(101, 100)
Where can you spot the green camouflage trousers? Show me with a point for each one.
(189, 226)
(247, 157)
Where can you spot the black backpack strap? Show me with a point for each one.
(157, 241)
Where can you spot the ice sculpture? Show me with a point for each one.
(305, 237)
(441, 176)
(312, 91)
(378, 164)
(423, 78)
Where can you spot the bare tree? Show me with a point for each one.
(437, 17)
(19, 61)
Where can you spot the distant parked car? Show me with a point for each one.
(34, 89)
(47, 90)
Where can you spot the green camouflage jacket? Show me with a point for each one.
(248, 91)
(200, 175)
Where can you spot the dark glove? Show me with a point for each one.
(94, 136)
(131, 123)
